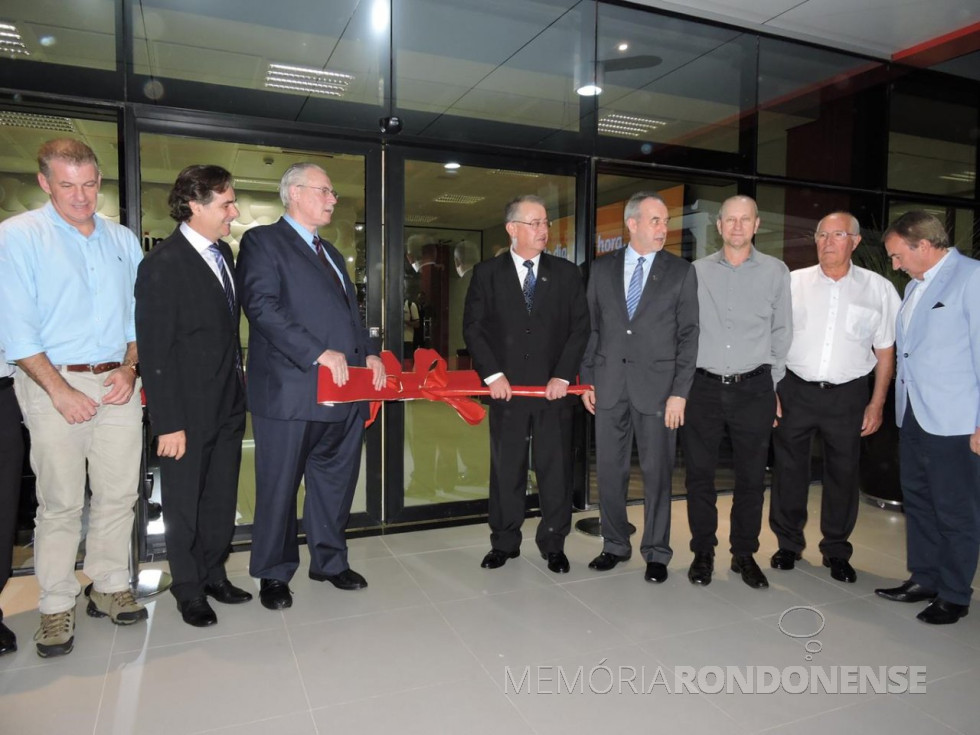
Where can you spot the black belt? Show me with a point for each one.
(822, 384)
(735, 377)
(6, 382)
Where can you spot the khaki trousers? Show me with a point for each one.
(110, 444)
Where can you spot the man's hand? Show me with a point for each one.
(975, 441)
(674, 412)
(872, 419)
(336, 363)
(556, 388)
(75, 406)
(377, 371)
(588, 400)
(172, 445)
(500, 389)
(121, 383)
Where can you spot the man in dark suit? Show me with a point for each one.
(937, 405)
(11, 468)
(643, 302)
(187, 317)
(302, 309)
(532, 338)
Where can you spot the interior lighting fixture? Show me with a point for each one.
(308, 80)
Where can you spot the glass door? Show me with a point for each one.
(445, 215)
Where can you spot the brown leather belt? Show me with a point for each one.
(102, 367)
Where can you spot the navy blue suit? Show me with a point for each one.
(295, 311)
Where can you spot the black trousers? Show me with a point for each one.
(747, 410)
(941, 494)
(199, 493)
(836, 413)
(11, 469)
(514, 427)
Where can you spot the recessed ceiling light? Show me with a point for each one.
(628, 126)
(448, 198)
(37, 122)
(623, 46)
(10, 40)
(359, 227)
(47, 40)
(419, 219)
(451, 166)
(307, 79)
(589, 90)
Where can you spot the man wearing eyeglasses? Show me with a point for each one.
(843, 330)
(302, 310)
(746, 328)
(526, 322)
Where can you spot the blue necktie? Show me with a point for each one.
(223, 274)
(635, 289)
(528, 287)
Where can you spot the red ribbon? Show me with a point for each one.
(435, 383)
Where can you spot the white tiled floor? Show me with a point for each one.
(438, 645)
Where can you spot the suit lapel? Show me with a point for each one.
(202, 271)
(931, 295)
(656, 273)
(543, 283)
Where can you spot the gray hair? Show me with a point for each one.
(853, 229)
(294, 175)
(632, 208)
(510, 211)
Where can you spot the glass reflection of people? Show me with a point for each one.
(526, 322)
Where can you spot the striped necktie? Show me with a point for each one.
(223, 275)
(635, 289)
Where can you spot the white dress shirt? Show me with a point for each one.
(920, 288)
(837, 323)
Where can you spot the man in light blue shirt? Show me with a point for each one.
(66, 293)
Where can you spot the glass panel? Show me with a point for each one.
(670, 81)
(257, 170)
(463, 65)
(20, 137)
(55, 32)
(453, 221)
(932, 141)
(962, 224)
(790, 215)
(820, 114)
(302, 61)
(693, 206)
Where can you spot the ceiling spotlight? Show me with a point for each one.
(451, 166)
(359, 227)
(589, 90)
(623, 46)
(47, 40)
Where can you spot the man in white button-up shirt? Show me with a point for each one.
(843, 330)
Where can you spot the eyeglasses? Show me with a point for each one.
(324, 190)
(535, 224)
(835, 235)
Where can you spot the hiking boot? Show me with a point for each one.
(120, 607)
(56, 636)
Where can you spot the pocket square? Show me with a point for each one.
(939, 305)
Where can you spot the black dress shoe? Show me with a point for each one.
(908, 591)
(784, 559)
(656, 572)
(840, 569)
(745, 565)
(197, 612)
(557, 561)
(274, 594)
(8, 641)
(496, 558)
(606, 561)
(702, 568)
(941, 612)
(227, 593)
(346, 580)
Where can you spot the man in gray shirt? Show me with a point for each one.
(746, 329)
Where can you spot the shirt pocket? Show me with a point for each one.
(861, 322)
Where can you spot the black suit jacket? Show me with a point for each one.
(295, 312)
(529, 349)
(187, 339)
(652, 356)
